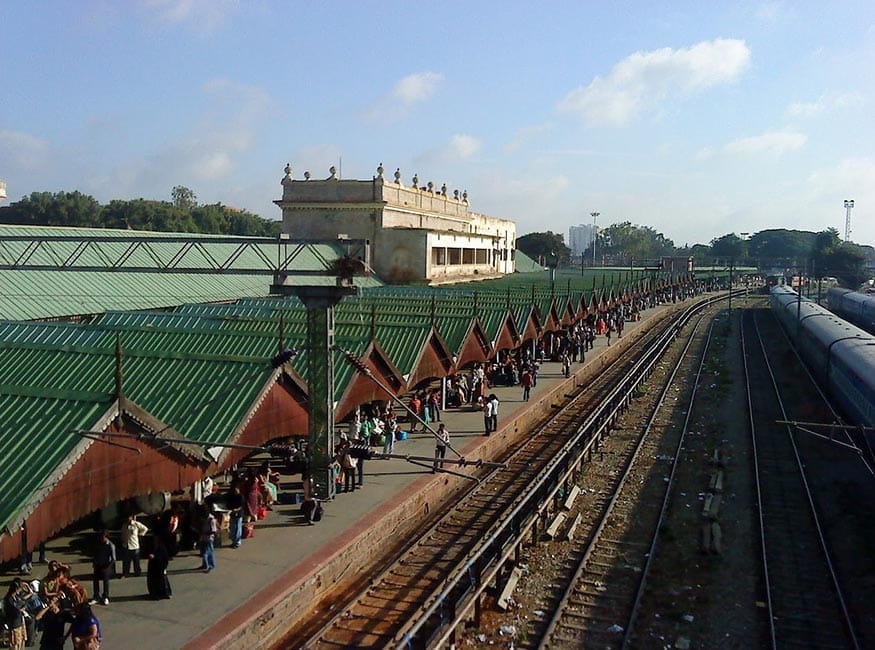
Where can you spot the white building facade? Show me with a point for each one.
(417, 234)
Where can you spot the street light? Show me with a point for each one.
(593, 215)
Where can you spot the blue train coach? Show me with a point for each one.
(840, 355)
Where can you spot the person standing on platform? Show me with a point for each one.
(434, 401)
(526, 382)
(85, 629)
(53, 621)
(13, 608)
(234, 502)
(487, 416)
(208, 530)
(131, 532)
(104, 568)
(392, 427)
(415, 405)
(566, 365)
(156, 571)
(440, 449)
(493, 400)
(348, 465)
(361, 452)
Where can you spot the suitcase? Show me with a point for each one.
(248, 531)
(400, 435)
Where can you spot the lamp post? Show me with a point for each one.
(594, 233)
(849, 203)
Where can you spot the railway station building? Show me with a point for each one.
(419, 233)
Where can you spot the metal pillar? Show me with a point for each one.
(320, 303)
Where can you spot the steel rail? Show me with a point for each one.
(824, 547)
(558, 613)
(536, 513)
(624, 389)
(759, 489)
(633, 617)
(465, 561)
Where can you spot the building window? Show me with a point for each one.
(468, 255)
(454, 255)
(482, 256)
(438, 256)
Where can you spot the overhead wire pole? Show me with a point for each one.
(594, 215)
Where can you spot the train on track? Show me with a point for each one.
(859, 308)
(840, 354)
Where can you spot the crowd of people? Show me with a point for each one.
(56, 608)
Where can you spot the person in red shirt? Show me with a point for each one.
(527, 382)
(415, 406)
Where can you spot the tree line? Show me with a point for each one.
(182, 213)
(819, 254)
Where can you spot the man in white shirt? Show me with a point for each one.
(493, 400)
(487, 417)
(131, 531)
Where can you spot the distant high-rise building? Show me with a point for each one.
(580, 238)
(2, 190)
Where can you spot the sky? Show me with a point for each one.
(697, 119)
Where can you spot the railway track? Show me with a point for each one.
(804, 600)
(598, 606)
(436, 581)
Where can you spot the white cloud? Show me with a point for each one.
(769, 11)
(534, 200)
(416, 87)
(459, 147)
(208, 154)
(464, 146)
(406, 93)
(203, 15)
(824, 103)
(643, 80)
(22, 151)
(776, 142)
(526, 135)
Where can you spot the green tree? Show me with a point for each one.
(143, 214)
(729, 247)
(843, 260)
(623, 243)
(780, 247)
(544, 244)
(183, 198)
(58, 209)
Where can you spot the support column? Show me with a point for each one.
(320, 302)
(320, 380)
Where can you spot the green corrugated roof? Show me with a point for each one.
(35, 439)
(29, 294)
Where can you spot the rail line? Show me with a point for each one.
(610, 571)
(437, 580)
(804, 601)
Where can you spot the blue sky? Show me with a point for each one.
(697, 119)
